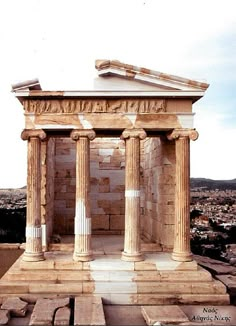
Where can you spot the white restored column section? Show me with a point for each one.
(132, 246)
(33, 251)
(182, 250)
(82, 250)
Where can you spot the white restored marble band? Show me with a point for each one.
(33, 232)
(44, 235)
(132, 193)
(80, 209)
(82, 226)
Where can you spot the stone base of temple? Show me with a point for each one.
(158, 280)
(185, 256)
(82, 257)
(132, 257)
(33, 257)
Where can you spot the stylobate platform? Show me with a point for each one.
(156, 280)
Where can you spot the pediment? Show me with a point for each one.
(113, 82)
(117, 80)
(116, 75)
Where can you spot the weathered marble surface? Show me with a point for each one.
(89, 311)
(163, 314)
(16, 306)
(44, 310)
(4, 317)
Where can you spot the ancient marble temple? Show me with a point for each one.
(114, 161)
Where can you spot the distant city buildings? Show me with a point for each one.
(217, 205)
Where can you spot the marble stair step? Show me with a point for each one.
(99, 287)
(154, 287)
(37, 288)
(181, 287)
(13, 287)
(64, 261)
(160, 299)
(104, 264)
(83, 275)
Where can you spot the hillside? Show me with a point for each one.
(16, 198)
(209, 184)
(13, 205)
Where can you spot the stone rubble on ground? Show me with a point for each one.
(44, 311)
(16, 306)
(4, 316)
(223, 272)
(89, 311)
(215, 266)
(230, 282)
(159, 315)
(62, 317)
(187, 315)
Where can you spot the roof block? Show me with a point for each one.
(32, 84)
(114, 67)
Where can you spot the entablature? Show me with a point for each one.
(124, 96)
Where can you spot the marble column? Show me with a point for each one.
(132, 245)
(182, 250)
(33, 251)
(83, 249)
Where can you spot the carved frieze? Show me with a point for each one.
(95, 106)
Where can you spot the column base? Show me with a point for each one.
(182, 256)
(33, 257)
(132, 257)
(82, 257)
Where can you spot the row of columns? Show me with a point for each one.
(132, 245)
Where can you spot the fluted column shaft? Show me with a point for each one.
(33, 250)
(182, 250)
(132, 247)
(83, 248)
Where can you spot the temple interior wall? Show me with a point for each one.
(107, 176)
(50, 185)
(159, 188)
(65, 184)
(107, 185)
(47, 185)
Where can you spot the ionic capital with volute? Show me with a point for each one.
(36, 133)
(134, 133)
(85, 133)
(177, 133)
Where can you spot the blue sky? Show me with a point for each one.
(58, 41)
